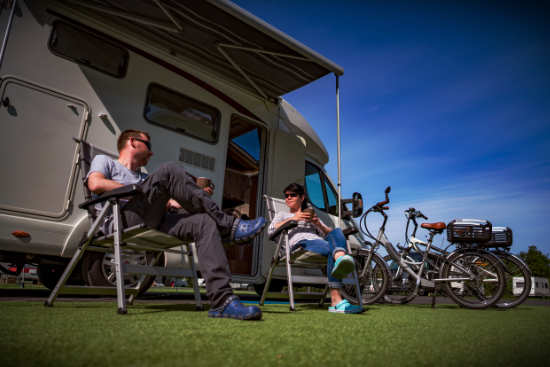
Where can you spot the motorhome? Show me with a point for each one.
(204, 78)
(539, 286)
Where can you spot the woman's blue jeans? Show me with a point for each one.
(333, 242)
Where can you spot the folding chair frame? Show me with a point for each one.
(282, 234)
(111, 200)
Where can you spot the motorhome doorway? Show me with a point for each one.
(242, 183)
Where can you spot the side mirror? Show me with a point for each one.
(357, 206)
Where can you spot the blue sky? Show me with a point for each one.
(447, 102)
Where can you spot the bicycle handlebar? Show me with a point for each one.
(382, 203)
(413, 213)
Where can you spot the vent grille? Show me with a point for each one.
(197, 159)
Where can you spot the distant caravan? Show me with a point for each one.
(205, 79)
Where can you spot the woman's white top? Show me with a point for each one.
(304, 230)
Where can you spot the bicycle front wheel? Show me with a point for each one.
(518, 281)
(402, 285)
(473, 279)
(373, 279)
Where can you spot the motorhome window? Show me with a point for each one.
(88, 49)
(314, 186)
(183, 114)
(332, 198)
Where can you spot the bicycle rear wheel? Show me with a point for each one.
(516, 273)
(373, 279)
(478, 278)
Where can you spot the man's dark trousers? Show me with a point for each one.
(202, 221)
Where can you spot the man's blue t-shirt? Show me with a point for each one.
(112, 169)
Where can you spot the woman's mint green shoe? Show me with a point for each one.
(345, 307)
(342, 267)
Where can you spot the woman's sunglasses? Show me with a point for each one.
(291, 195)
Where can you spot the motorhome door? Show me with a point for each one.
(243, 184)
(37, 148)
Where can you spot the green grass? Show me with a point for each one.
(92, 334)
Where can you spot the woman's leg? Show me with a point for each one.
(325, 248)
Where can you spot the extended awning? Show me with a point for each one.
(222, 37)
(217, 34)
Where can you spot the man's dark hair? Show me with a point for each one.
(126, 135)
(298, 189)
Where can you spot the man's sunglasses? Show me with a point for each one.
(291, 195)
(146, 142)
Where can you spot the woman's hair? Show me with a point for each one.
(298, 189)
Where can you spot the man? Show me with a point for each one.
(165, 191)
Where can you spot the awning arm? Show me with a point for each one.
(169, 15)
(237, 67)
(268, 29)
(133, 17)
(339, 148)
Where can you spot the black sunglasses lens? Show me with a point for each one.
(291, 195)
(147, 144)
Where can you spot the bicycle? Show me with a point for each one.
(516, 271)
(373, 276)
(473, 278)
(403, 286)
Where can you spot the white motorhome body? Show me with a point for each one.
(539, 286)
(204, 78)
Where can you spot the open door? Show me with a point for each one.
(242, 183)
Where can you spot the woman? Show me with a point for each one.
(313, 235)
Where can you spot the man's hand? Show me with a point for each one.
(172, 205)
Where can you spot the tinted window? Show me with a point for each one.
(314, 186)
(178, 112)
(332, 198)
(86, 48)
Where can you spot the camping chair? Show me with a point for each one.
(136, 239)
(298, 257)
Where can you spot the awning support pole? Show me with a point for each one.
(339, 148)
(7, 32)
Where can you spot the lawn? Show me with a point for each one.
(163, 334)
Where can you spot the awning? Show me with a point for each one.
(219, 36)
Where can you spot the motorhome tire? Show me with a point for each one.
(49, 274)
(276, 286)
(98, 270)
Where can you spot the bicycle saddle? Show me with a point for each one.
(437, 226)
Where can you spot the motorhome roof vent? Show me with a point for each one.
(197, 159)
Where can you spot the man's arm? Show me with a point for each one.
(97, 183)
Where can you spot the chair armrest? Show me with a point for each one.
(124, 191)
(285, 227)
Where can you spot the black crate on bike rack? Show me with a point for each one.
(500, 237)
(469, 231)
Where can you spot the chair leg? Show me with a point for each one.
(357, 288)
(289, 275)
(355, 278)
(121, 296)
(274, 262)
(132, 297)
(322, 300)
(196, 289)
(76, 258)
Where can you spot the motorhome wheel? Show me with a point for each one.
(49, 274)
(276, 286)
(98, 269)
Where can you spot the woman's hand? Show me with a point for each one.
(301, 217)
(315, 220)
